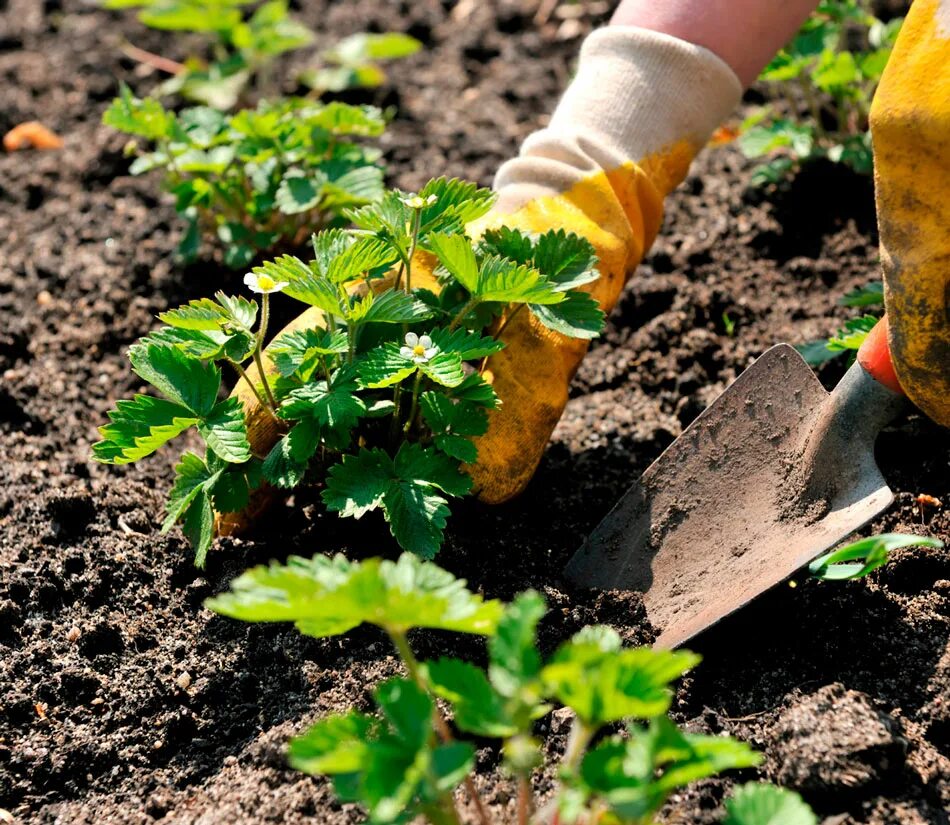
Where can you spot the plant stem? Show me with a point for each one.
(242, 373)
(415, 402)
(497, 335)
(577, 743)
(398, 638)
(472, 303)
(524, 799)
(394, 427)
(265, 316)
(416, 218)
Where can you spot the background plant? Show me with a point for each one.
(384, 397)
(849, 338)
(245, 38)
(407, 761)
(859, 558)
(830, 70)
(260, 178)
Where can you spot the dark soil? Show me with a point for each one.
(123, 701)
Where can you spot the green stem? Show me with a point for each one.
(415, 402)
(394, 427)
(258, 347)
(577, 743)
(398, 638)
(472, 303)
(416, 218)
(497, 335)
(242, 373)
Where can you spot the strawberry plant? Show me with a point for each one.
(407, 760)
(383, 397)
(258, 179)
(859, 558)
(850, 337)
(246, 37)
(355, 62)
(830, 70)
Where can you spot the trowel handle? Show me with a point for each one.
(875, 357)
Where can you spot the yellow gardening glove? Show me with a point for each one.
(910, 128)
(641, 105)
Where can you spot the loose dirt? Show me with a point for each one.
(123, 701)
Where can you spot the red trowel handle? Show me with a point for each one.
(875, 357)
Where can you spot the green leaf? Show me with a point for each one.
(327, 596)
(384, 366)
(365, 255)
(225, 433)
(513, 653)
(192, 476)
(416, 516)
(146, 118)
(198, 526)
(444, 368)
(457, 204)
(336, 407)
(816, 353)
(761, 804)
(870, 295)
(453, 423)
(363, 46)
(466, 344)
(186, 381)
(231, 492)
(478, 708)
(577, 316)
(455, 253)
(358, 483)
(306, 285)
(299, 191)
(636, 775)
(390, 766)
(566, 259)
(395, 307)
(476, 389)
(872, 552)
(407, 488)
(139, 427)
(305, 347)
(286, 463)
(853, 334)
(606, 685)
(506, 282)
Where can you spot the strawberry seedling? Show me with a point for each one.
(859, 558)
(407, 761)
(355, 62)
(850, 337)
(384, 396)
(258, 179)
(245, 40)
(830, 70)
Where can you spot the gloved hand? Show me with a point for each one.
(910, 129)
(640, 107)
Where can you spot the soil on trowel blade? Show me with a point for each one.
(123, 701)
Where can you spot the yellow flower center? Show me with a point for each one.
(266, 282)
(418, 349)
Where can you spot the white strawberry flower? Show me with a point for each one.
(419, 202)
(419, 348)
(262, 283)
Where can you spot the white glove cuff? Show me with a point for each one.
(637, 93)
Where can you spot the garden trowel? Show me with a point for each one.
(776, 471)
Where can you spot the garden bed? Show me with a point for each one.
(123, 701)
